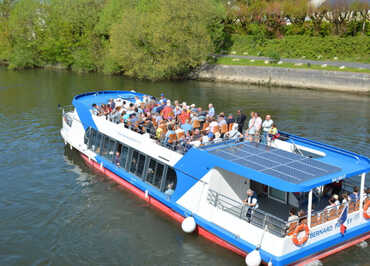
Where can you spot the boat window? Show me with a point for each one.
(96, 142)
(134, 160)
(108, 148)
(278, 194)
(124, 155)
(87, 136)
(158, 175)
(91, 139)
(150, 171)
(171, 181)
(140, 166)
(154, 173)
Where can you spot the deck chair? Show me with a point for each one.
(181, 135)
(196, 124)
(205, 126)
(224, 128)
(332, 214)
(215, 129)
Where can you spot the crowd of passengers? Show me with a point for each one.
(331, 191)
(180, 126)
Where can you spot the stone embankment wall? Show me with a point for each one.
(287, 77)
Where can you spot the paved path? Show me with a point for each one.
(305, 61)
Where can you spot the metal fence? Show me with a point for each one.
(258, 217)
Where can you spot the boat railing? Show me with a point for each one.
(68, 108)
(258, 217)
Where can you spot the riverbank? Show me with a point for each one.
(286, 77)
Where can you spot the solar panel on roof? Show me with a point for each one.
(285, 165)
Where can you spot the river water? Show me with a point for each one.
(56, 211)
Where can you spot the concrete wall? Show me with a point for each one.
(287, 77)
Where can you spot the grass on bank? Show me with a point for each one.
(248, 62)
(350, 49)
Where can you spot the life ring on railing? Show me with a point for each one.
(300, 228)
(366, 206)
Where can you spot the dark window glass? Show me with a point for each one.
(97, 140)
(87, 136)
(171, 181)
(124, 155)
(150, 171)
(134, 161)
(104, 146)
(158, 175)
(91, 139)
(108, 148)
(140, 166)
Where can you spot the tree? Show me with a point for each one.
(362, 10)
(165, 38)
(26, 24)
(296, 11)
(5, 47)
(69, 37)
(275, 18)
(338, 14)
(317, 15)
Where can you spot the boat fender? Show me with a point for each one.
(188, 225)
(366, 207)
(299, 229)
(253, 258)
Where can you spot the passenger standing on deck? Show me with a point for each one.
(266, 126)
(211, 110)
(240, 119)
(354, 196)
(251, 129)
(252, 203)
(257, 126)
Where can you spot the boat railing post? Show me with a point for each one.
(216, 199)
(309, 209)
(362, 191)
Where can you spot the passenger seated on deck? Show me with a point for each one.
(293, 217)
(234, 133)
(354, 195)
(302, 216)
(336, 200)
(252, 203)
(117, 158)
(331, 204)
(273, 134)
(95, 109)
(344, 197)
(169, 191)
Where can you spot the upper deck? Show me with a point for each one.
(288, 165)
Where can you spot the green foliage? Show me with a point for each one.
(26, 27)
(274, 56)
(158, 39)
(354, 49)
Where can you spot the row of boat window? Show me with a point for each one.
(143, 166)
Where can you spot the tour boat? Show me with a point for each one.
(205, 187)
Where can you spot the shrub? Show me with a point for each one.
(348, 48)
(158, 40)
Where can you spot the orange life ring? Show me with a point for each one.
(300, 228)
(366, 206)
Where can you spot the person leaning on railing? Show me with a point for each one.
(252, 203)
